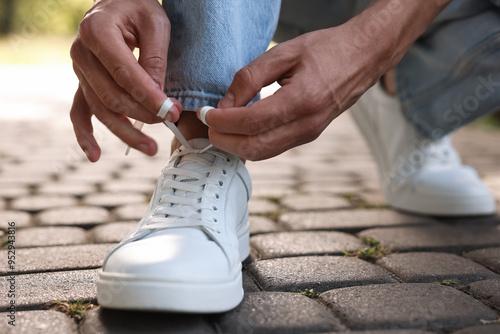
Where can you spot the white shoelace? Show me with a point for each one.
(181, 200)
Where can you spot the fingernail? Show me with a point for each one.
(87, 153)
(144, 148)
(203, 114)
(227, 101)
(165, 108)
(169, 117)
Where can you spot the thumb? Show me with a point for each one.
(249, 80)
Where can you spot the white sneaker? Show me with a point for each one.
(418, 175)
(186, 254)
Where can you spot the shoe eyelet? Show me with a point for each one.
(228, 160)
(217, 196)
(224, 172)
(221, 183)
(215, 220)
(215, 208)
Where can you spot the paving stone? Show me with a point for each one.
(36, 290)
(49, 236)
(106, 321)
(285, 244)
(259, 225)
(262, 206)
(131, 212)
(272, 188)
(112, 232)
(249, 284)
(386, 331)
(277, 312)
(405, 305)
(92, 178)
(488, 291)
(320, 273)
(128, 185)
(314, 202)
(436, 238)
(39, 322)
(66, 188)
(37, 203)
(29, 180)
(113, 200)
(481, 329)
(22, 219)
(327, 186)
(77, 216)
(13, 191)
(375, 198)
(349, 220)
(434, 267)
(488, 257)
(32, 260)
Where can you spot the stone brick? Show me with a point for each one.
(387, 331)
(49, 236)
(434, 267)
(334, 187)
(285, 244)
(314, 202)
(128, 185)
(66, 188)
(436, 238)
(22, 219)
(112, 232)
(348, 220)
(36, 290)
(92, 178)
(488, 257)
(104, 321)
(262, 206)
(277, 312)
(39, 322)
(249, 284)
(113, 200)
(77, 216)
(259, 225)
(488, 291)
(320, 273)
(32, 260)
(37, 203)
(424, 306)
(272, 188)
(131, 212)
(481, 329)
(13, 191)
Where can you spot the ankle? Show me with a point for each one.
(388, 82)
(190, 127)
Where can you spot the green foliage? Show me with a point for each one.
(309, 293)
(375, 251)
(77, 310)
(35, 17)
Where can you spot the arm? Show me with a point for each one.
(113, 84)
(322, 74)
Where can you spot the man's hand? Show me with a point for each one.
(113, 84)
(322, 74)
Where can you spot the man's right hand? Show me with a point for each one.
(113, 84)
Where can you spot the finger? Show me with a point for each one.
(263, 71)
(118, 124)
(112, 96)
(274, 111)
(116, 56)
(82, 126)
(271, 143)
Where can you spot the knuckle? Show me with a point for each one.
(251, 126)
(245, 76)
(120, 73)
(107, 99)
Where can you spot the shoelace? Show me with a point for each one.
(181, 202)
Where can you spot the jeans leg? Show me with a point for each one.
(210, 41)
(451, 75)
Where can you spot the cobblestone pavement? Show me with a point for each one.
(310, 206)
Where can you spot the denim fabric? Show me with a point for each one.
(451, 75)
(210, 41)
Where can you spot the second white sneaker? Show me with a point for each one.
(418, 175)
(185, 255)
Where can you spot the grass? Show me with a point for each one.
(489, 122)
(375, 251)
(309, 293)
(76, 310)
(357, 202)
(448, 282)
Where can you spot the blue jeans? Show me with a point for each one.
(448, 78)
